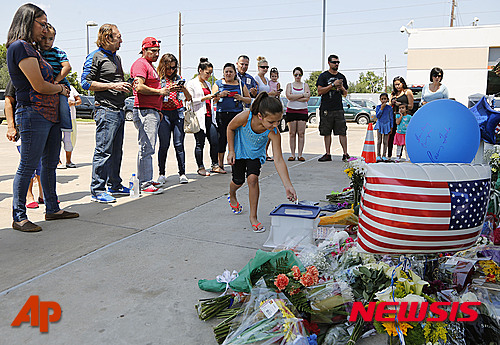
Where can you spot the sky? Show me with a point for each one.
(287, 33)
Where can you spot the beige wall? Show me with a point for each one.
(448, 58)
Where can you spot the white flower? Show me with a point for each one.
(385, 295)
(411, 298)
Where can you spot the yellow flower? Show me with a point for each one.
(390, 327)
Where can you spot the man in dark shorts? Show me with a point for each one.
(332, 86)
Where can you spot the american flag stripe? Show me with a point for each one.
(422, 208)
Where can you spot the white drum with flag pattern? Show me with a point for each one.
(422, 208)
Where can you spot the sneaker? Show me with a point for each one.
(61, 166)
(155, 184)
(71, 165)
(183, 179)
(120, 191)
(151, 189)
(379, 158)
(325, 158)
(345, 157)
(103, 198)
(162, 179)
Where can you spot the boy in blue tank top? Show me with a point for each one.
(247, 136)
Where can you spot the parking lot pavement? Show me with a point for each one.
(127, 273)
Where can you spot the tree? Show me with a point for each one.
(311, 81)
(73, 80)
(4, 71)
(367, 83)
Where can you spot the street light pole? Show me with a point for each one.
(89, 23)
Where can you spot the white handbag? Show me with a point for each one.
(191, 124)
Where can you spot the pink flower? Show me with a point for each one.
(281, 281)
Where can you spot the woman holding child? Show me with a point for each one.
(37, 114)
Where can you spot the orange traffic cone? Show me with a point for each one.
(369, 147)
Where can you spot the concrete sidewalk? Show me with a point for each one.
(127, 273)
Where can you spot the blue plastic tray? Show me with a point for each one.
(299, 211)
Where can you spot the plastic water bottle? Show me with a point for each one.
(134, 187)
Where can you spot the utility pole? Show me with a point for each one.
(180, 43)
(452, 19)
(324, 34)
(385, 73)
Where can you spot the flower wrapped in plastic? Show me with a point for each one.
(269, 318)
(328, 301)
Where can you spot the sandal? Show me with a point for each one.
(203, 172)
(256, 228)
(269, 159)
(236, 209)
(302, 159)
(217, 169)
(291, 159)
(32, 204)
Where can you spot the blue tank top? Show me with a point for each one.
(229, 103)
(250, 145)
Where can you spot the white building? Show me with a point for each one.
(467, 55)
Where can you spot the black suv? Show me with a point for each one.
(417, 96)
(86, 110)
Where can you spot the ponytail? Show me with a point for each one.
(265, 105)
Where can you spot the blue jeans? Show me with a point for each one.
(40, 139)
(65, 114)
(147, 122)
(108, 151)
(172, 122)
(211, 134)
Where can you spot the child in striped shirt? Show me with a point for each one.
(58, 59)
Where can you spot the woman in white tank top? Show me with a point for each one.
(298, 95)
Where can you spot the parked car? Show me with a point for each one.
(2, 105)
(129, 108)
(417, 96)
(353, 112)
(365, 103)
(87, 108)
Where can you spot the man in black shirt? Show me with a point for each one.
(103, 74)
(332, 86)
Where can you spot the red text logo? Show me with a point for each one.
(412, 311)
(40, 316)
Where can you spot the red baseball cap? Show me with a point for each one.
(150, 42)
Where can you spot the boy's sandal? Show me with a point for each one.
(203, 172)
(256, 228)
(302, 159)
(236, 209)
(291, 159)
(269, 159)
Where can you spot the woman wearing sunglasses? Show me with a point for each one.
(263, 82)
(172, 123)
(434, 90)
(298, 94)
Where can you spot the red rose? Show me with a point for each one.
(296, 272)
(281, 281)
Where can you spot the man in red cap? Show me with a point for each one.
(147, 109)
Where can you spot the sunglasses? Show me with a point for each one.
(297, 75)
(335, 62)
(44, 26)
(264, 67)
(171, 68)
(438, 75)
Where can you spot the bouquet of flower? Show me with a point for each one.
(356, 171)
(407, 287)
(269, 318)
(293, 282)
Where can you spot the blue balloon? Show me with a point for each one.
(442, 131)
